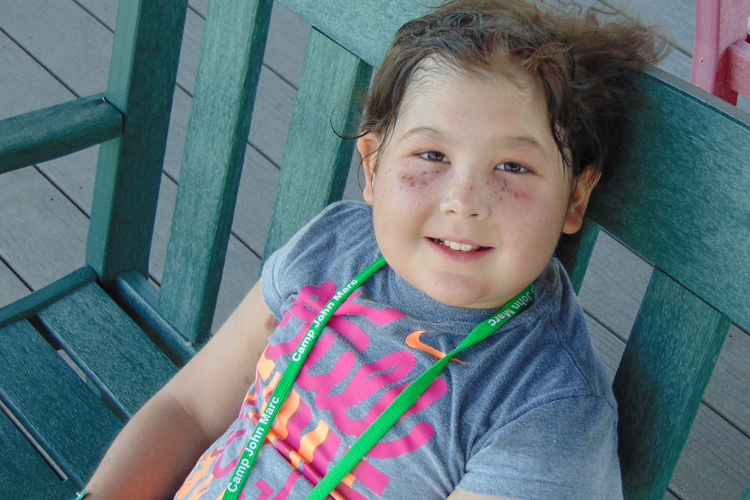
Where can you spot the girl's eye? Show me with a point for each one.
(510, 166)
(433, 156)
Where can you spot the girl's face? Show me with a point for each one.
(469, 193)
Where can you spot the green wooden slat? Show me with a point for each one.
(56, 131)
(746, 495)
(317, 160)
(52, 403)
(110, 348)
(365, 27)
(31, 304)
(679, 193)
(231, 58)
(24, 469)
(664, 370)
(141, 84)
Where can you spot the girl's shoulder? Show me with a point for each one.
(334, 246)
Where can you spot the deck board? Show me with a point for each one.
(614, 285)
(70, 42)
(675, 17)
(727, 390)
(11, 288)
(28, 86)
(61, 35)
(39, 256)
(715, 463)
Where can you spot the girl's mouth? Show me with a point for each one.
(462, 247)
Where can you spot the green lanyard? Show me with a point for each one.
(390, 415)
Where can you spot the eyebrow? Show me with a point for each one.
(423, 130)
(522, 141)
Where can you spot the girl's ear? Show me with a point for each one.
(368, 146)
(582, 188)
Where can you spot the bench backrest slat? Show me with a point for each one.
(234, 41)
(665, 368)
(317, 156)
(678, 196)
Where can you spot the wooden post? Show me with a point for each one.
(142, 77)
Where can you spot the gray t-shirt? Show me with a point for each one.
(526, 413)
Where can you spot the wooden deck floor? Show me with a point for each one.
(55, 50)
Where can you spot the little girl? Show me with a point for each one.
(487, 128)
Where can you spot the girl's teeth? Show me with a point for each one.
(459, 246)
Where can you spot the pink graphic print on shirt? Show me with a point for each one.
(311, 453)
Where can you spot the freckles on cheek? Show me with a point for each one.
(506, 189)
(418, 179)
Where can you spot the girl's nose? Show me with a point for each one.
(466, 197)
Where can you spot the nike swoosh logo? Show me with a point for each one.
(413, 340)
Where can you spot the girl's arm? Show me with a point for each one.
(158, 448)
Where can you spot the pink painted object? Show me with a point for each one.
(721, 55)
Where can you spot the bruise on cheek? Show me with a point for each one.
(419, 179)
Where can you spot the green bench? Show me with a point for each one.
(678, 198)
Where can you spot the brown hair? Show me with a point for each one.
(578, 65)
